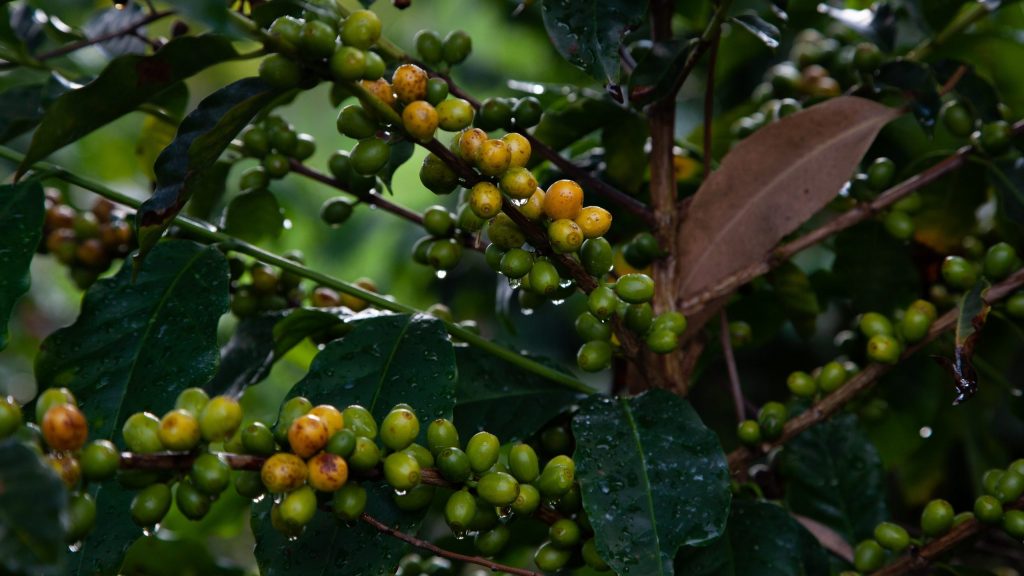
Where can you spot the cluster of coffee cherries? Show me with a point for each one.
(275, 143)
(1002, 488)
(87, 241)
(60, 436)
(416, 565)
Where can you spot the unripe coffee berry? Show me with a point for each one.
(564, 533)
(141, 432)
(355, 122)
(298, 507)
(594, 356)
(494, 113)
(661, 341)
(151, 504)
(482, 450)
(772, 418)
(899, 224)
(460, 510)
(220, 418)
(361, 29)
(635, 288)
(457, 46)
(831, 377)
(360, 421)
(210, 474)
(602, 301)
(868, 556)
(365, 456)
(193, 503)
(81, 517)
(399, 429)
(801, 384)
(347, 63)
(589, 327)
(99, 460)
(528, 500)
(749, 432)
(958, 273)
(455, 114)
(52, 397)
(438, 221)
(892, 536)
(914, 325)
(444, 254)
(527, 112)
(492, 541)
(884, 349)
(988, 509)
(937, 518)
(1000, 261)
(958, 119)
(881, 173)
(369, 156)
(550, 558)
(428, 46)
(349, 502)
(872, 323)
(453, 464)
(596, 256)
(441, 434)
(995, 137)
(401, 470)
(280, 72)
(516, 263)
(498, 488)
(1013, 523)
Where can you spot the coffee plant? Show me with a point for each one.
(698, 288)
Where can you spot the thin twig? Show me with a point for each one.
(478, 560)
(864, 380)
(130, 29)
(735, 390)
(709, 100)
(702, 45)
(845, 220)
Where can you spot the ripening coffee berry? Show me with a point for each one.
(99, 460)
(563, 199)
(873, 323)
(420, 120)
(280, 72)
(988, 509)
(307, 435)
(347, 63)
(594, 356)
(368, 156)
(958, 119)
(519, 149)
(349, 501)
(516, 263)
(470, 142)
(494, 157)
(801, 384)
(565, 236)
(635, 288)
(454, 114)
(283, 472)
(399, 429)
(892, 536)
(52, 397)
(937, 518)
(151, 504)
(550, 558)
(958, 273)
(594, 221)
(457, 46)
(505, 233)
(361, 29)
(1000, 261)
(868, 556)
(64, 427)
(141, 432)
(498, 488)
(749, 432)
(290, 410)
(360, 421)
(831, 377)
(772, 418)
(401, 470)
(220, 418)
(365, 456)
(485, 200)
(518, 182)
(210, 474)
(327, 472)
(179, 430)
(409, 83)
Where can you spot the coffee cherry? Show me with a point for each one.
(884, 349)
(360, 421)
(958, 119)
(141, 432)
(1013, 523)
(455, 114)
(283, 472)
(438, 177)
(280, 72)
(597, 256)
(193, 503)
(831, 377)
(639, 317)
(375, 68)
(341, 443)
(438, 221)
(594, 356)
(258, 439)
(527, 112)
(436, 92)
(873, 323)
(327, 472)
(498, 488)
(505, 233)
(563, 199)
(52, 397)
(995, 137)
(399, 429)
(914, 325)
(594, 221)
(410, 83)
(544, 278)
(892, 536)
(361, 29)
(151, 504)
(564, 533)
(589, 327)
(533, 208)
(220, 418)
(349, 501)
(881, 173)
(494, 113)
(662, 341)
(99, 460)
(64, 427)
(482, 450)
(420, 120)
(516, 263)
(936, 518)
(772, 418)
(305, 147)
(962, 517)
(316, 40)
(256, 142)
(335, 211)
(485, 199)
(493, 541)
(519, 183)
(988, 509)
(441, 434)
(990, 481)
(286, 29)
(453, 464)
(494, 157)
(369, 156)
(740, 333)
(565, 236)
(365, 456)
(460, 510)
(307, 435)
(444, 254)
(276, 165)
(1000, 261)
(428, 46)
(355, 122)
(635, 288)
(527, 501)
(210, 474)
(749, 432)
(81, 517)
(470, 142)
(401, 470)
(801, 384)
(519, 149)
(868, 556)
(290, 410)
(179, 430)
(523, 464)
(899, 224)
(347, 63)
(254, 179)
(1015, 305)
(1010, 486)
(298, 507)
(958, 273)
(550, 558)
(602, 301)
(457, 46)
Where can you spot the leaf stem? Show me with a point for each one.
(976, 11)
(210, 233)
(703, 44)
(735, 390)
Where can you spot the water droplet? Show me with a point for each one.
(441, 274)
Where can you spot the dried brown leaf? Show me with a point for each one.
(771, 183)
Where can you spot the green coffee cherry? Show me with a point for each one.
(298, 507)
(369, 156)
(564, 533)
(498, 488)
(1013, 523)
(342, 443)
(52, 397)
(365, 455)
(527, 501)
(995, 137)
(588, 327)
(772, 418)
(523, 463)
(914, 325)
(899, 224)
(151, 504)
(872, 323)
(460, 510)
(892, 536)
(286, 29)
(594, 356)
(937, 518)
(355, 122)
(401, 470)
(672, 321)
(360, 421)
(516, 263)
(881, 173)
(802, 385)
(349, 501)
(596, 256)
(602, 302)
(453, 464)
(550, 558)
(831, 377)
(415, 499)
(375, 66)
(958, 119)
(81, 517)
(527, 112)
(316, 40)
(219, 419)
(428, 46)
(423, 456)
(248, 484)
(305, 147)
(482, 450)
(280, 72)
(639, 317)
(990, 481)
(1010, 486)
(662, 341)
(347, 63)
(1015, 305)
(884, 349)
(210, 474)
(361, 29)
(749, 432)
(438, 221)
(399, 429)
(441, 434)
(493, 541)
(958, 273)
(635, 288)
(544, 278)
(192, 400)
(494, 113)
(557, 477)
(141, 433)
(99, 460)
(988, 509)
(1000, 261)
(868, 556)
(193, 503)
(255, 178)
(10, 416)
(456, 48)
(335, 211)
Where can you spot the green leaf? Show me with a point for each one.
(304, 322)
(21, 228)
(766, 32)
(655, 74)
(22, 107)
(32, 502)
(254, 216)
(625, 160)
(201, 138)
(1007, 179)
(875, 268)
(588, 34)
(124, 84)
(212, 14)
(208, 188)
(567, 121)
(248, 356)
(172, 555)
(652, 476)
(761, 539)
(834, 475)
(503, 398)
(972, 311)
(135, 345)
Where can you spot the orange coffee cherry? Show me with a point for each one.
(410, 83)
(307, 435)
(65, 428)
(518, 147)
(327, 472)
(420, 120)
(594, 221)
(563, 199)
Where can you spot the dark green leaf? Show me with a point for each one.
(21, 227)
(568, 121)
(761, 539)
(254, 216)
(124, 84)
(972, 311)
(172, 555)
(588, 34)
(22, 107)
(503, 398)
(761, 29)
(383, 361)
(654, 74)
(974, 91)
(32, 501)
(915, 81)
(267, 12)
(208, 187)
(400, 153)
(248, 357)
(1007, 179)
(834, 475)
(875, 268)
(653, 478)
(302, 323)
(135, 345)
(202, 136)
(625, 159)
(212, 14)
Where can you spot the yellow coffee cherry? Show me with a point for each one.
(179, 430)
(327, 472)
(67, 467)
(381, 89)
(534, 207)
(594, 221)
(470, 143)
(485, 200)
(420, 120)
(494, 157)
(355, 303)
(283, 472)
(518, 183)
(331, 416)
(64, 427)
(409, 83)
(565, 235)
(518, 148)
(563, 199)
(307, 435)
(503, 232)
